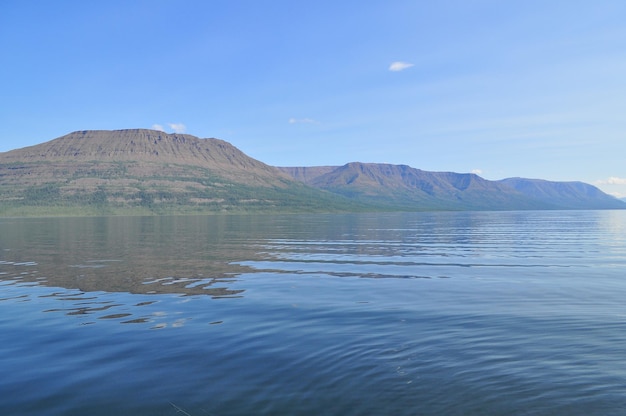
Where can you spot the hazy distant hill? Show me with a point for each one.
(399, 185)
(150, 171)
(566, 195)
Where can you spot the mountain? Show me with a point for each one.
(564, 195)
(141, 171)
(147, 149)
(410, 188)
(406, 187)
(147, 171)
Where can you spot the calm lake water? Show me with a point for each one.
(473, 313)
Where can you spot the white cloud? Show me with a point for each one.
(616, 181)
(178, 127)
(158, 127)
(613, 180)
(477, 171)
(302, 120)
(399, 66)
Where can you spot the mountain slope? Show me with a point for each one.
(307, 174)
(403, 186)
(147, 171)
(146, 147)
(564, 195)
(410, 188)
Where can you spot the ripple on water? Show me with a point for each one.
(529, 321)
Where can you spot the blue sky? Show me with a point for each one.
(502, 88)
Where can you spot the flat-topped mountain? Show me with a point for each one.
(400, 185)
(146, 147)
(404, 186)
(148, 171)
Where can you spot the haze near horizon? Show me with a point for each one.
(502, 89)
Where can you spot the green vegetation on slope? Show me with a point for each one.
(103, 188)
(148, 172)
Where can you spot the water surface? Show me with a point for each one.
(490, 313)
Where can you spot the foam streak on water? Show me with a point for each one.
(508, 313)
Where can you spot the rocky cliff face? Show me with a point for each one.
(149, 171)
(115, 171)
(146, 146)
(404, 186)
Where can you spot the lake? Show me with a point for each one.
(468, 313)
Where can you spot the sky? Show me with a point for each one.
(516, 88)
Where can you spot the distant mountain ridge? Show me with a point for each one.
(566, 195)
(101, 172)
(400, 185)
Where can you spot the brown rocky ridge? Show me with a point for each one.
(145, 171)
(139, 171)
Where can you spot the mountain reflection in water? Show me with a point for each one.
(202, 255)
(141, 255)
(485, 313)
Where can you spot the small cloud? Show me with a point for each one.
(302, 121)
(158, 127)
(613, 180)
(477, 171)
(178, 127)
(399, 66)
